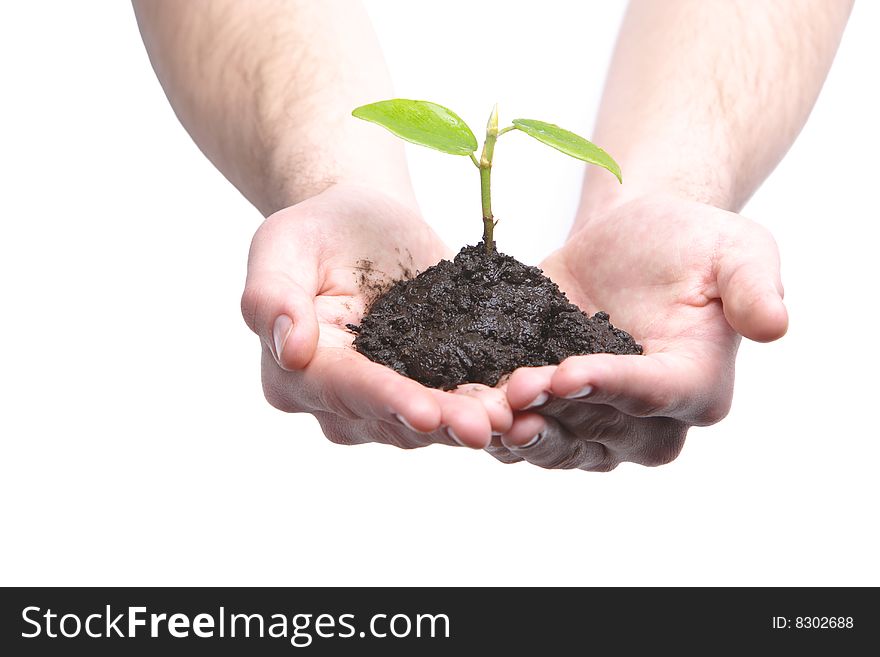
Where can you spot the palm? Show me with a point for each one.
(366, 242)
(351, 280)
(661, 268)
(652, 268)
(326, 259)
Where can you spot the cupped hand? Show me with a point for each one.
(686, 280)
(312, 269)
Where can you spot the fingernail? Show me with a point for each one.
(403, 421)
(280, 332)
(497, 434)
(454, 437)
(586, 391)
(538, 401)
(531, 443)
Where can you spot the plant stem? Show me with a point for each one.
(486, 179)
(488, 220)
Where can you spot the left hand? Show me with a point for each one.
(686, 280)
(306, 274)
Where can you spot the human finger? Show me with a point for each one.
(495, 403)
(662, 384)
(750, 285)
(542, 441)
(344, 383)
(278, 302)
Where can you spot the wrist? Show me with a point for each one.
(645, 203)
(297, 170)
(648, 170)
(302, 181)
(308, 183)
(601, 196)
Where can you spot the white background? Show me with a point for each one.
(137, 447)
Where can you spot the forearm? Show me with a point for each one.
(266, 88)
(703, 98)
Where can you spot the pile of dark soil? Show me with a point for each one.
(477, 318)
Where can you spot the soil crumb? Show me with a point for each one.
(478, 318)
(372, 282)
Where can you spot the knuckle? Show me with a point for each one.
(604, 466)
(337, 438)
(714, 413)
(574, 457)
(277, 398)
(503, 455)
(335, 431)
(608, 426)
(665, 447)
(660, 456)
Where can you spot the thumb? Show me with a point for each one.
(278, 302)
(750, 287)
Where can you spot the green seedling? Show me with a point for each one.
(434, 126)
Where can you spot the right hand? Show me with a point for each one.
(687, 280)
(304, 284)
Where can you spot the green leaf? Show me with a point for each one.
(422, 123)
(569, 143)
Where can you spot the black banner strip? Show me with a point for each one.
(389, 621)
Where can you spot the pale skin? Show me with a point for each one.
(702, 101)
(266, 89)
